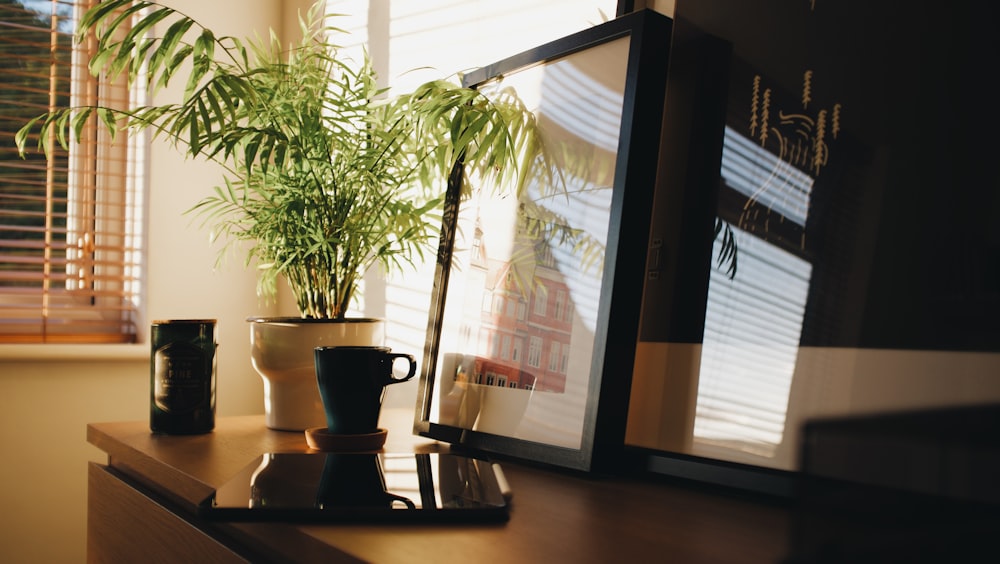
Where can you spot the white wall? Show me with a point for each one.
(48, 393)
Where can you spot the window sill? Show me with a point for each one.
(69, 353)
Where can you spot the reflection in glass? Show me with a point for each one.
(753, 323)
(871, 179)
(518, 327)
(752, 329)
(321, 481)
(343, 484)
(767, 180)
(356, 480)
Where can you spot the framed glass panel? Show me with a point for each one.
(559, 250)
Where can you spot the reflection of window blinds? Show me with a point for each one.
(752, 330)
(583, 106)
(441, 37)
(759, 174)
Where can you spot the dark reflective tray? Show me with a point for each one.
(362, 487)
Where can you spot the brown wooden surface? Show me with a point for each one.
(555, 516)
(124, 525)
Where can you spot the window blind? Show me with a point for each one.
(70, 237)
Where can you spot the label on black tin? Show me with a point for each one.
(182, 377)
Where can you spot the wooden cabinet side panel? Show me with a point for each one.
(124, 525)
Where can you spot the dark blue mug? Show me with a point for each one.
(352, 383)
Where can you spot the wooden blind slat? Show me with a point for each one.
(65, 238)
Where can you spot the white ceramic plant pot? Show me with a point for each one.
(281, 351)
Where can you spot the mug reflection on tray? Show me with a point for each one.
(322, 481)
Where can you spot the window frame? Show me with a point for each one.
(89, 286)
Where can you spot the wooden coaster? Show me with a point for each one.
(319, 438)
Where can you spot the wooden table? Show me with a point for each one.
(142, 507)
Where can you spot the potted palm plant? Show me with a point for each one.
(325, 175)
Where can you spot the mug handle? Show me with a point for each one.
(393, 498)
(410, 372)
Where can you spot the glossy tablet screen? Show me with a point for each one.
(359, 487)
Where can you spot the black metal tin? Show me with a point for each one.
(182, 376)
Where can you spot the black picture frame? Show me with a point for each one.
(565, 404)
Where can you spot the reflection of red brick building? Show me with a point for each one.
(525, 320)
